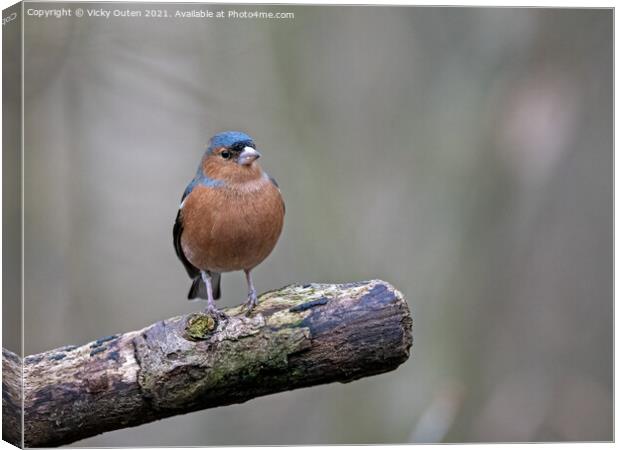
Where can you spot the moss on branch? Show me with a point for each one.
(298, 336)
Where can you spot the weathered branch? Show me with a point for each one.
(298, 336)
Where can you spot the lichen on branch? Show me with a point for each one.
(298, 336)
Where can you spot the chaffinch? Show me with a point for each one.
(230, 217)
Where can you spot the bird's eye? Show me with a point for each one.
(225, 154)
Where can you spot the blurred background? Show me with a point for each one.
(462, 154)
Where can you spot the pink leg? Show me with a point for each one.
(211, 308)
(252, 298)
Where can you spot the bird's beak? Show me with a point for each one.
(247, 156)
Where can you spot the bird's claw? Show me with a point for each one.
(216, 313)
(251, 303)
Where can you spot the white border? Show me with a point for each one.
(554, 4)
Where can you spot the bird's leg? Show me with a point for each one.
(211, 308)
(252, 299)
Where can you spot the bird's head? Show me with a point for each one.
(231, 156)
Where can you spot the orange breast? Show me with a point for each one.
(231, 228)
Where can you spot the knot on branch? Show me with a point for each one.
(199, 326)
(176, 372)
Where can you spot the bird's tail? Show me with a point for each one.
(199, 288)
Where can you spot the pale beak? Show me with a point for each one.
(247, 156)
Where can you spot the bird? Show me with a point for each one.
(230, 218)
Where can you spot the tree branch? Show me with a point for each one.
(298, 336)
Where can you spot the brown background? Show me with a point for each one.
(464, 155)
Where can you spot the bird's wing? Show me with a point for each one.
(177, 231)
(275, 183)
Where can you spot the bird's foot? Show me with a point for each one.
(216, 313)
(251, 302)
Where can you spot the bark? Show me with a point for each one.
(298, 336)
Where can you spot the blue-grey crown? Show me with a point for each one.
(228, 139)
